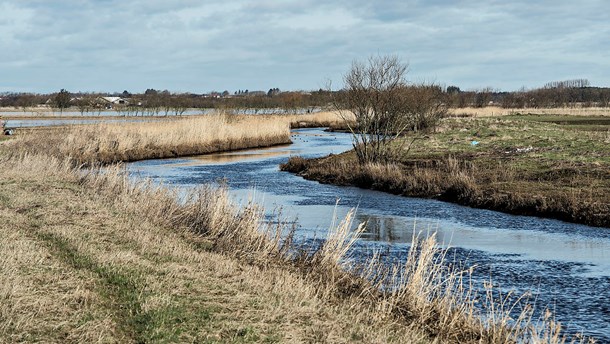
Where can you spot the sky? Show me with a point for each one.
(201, 46)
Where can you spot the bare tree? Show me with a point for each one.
(385, 107)
(85, 103)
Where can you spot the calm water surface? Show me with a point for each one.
(565, 266)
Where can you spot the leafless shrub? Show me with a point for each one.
(385, 107)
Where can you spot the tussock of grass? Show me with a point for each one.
(113, 142)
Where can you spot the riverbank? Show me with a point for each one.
(89, 256)
(107, 143)
(91, 259)
(548, 166)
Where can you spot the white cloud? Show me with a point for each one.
(192, 45)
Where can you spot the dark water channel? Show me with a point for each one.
(566, 267)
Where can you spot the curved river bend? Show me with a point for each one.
(565, 266)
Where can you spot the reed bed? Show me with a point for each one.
(330, 119)
(492, 111)
(113, 142)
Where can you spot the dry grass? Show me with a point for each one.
(493, 111)
(114, 142)
(97, 258)
(94, 258)
(319, 119)
(150, 268)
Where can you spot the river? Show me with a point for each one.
(565, 266)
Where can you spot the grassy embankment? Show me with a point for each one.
(90, 257)
(115, 142)
(548, 165)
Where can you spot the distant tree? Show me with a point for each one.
(291, 101)
(481, 98)
(575, 83)
(273, 92)
(453, 89)
(180, 104)
(25, 101)
(86, 103)
(62, 100)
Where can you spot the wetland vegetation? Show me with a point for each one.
(92, 255)
(550, 166)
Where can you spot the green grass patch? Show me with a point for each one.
(550, 166)
(121, 289)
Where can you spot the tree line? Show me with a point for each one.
(157, 102)
(569, 93)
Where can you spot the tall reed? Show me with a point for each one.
(115, 142)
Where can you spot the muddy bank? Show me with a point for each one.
(457, 182)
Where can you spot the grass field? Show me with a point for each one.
(90, 256)
(543, 165)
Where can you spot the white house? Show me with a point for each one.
(114, 100)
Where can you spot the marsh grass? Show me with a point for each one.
(144, 260)
(491, 111)
(522, 165)
(115, 142)
(330, 119)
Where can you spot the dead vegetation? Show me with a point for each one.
(94, 257)
(90, 256)
(116, 142)
(317, 120)
(492, 111)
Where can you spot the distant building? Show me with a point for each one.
(109, 102)
(114, 100)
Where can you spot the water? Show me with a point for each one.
(30, 123)
(100, 113)
(76, 117)
(565, 266)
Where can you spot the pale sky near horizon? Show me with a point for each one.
(200, 46)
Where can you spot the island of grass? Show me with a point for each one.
(551, 166)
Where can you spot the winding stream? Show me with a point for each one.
(565, 266)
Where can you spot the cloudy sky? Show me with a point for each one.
(200, 45)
